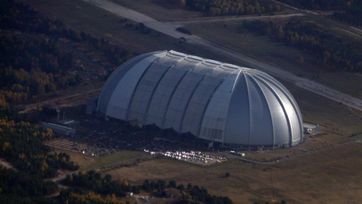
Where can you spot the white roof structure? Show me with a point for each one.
(212, 100)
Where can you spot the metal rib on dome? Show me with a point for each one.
(212, 100)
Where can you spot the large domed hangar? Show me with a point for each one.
(209, 99)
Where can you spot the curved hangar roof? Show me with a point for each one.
(212, 100)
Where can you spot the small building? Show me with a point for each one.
(59, 129)
(311, 129)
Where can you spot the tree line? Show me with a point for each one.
(35, 58)
(349, 11)
(21, 144)
(337, 53)
(21, 187)
(232, 7)
(91, 186)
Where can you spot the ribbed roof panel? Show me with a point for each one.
(210, 99)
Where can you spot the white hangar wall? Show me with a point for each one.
(212, 100)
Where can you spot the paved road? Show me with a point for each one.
(236, 18)
(169, 29)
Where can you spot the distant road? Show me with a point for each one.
(236, 18)
(295, 8)
(29, 107)
(169, 28)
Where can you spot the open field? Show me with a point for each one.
(311, 179)
(105, 162)
(118, 158)
(91, 157)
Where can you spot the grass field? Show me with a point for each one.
(311, 179)
(118, 158)
(124, 157)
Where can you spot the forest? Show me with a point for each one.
(33, 61)
(24, 71)
(232, 7)
(335, 52)
(39, 55)
(349, 11)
